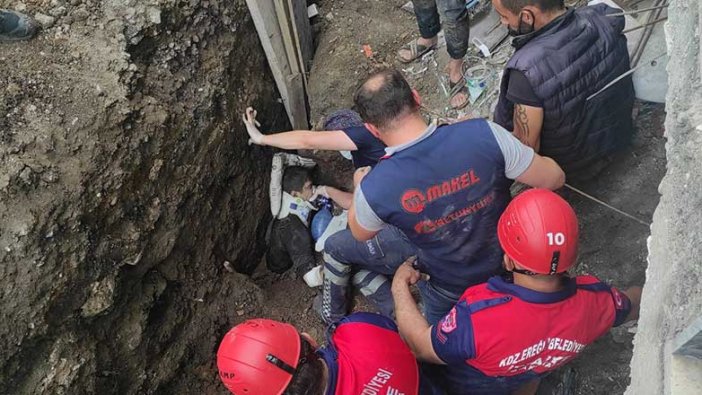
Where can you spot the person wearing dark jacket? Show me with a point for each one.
(551, 97)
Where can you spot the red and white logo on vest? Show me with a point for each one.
(448, 324)
(617, 299)
(413, 201)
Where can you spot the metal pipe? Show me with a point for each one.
(642, 39)
(642, 26)
(652, 16)
(614, 81)
(642, 222)
(637, 11)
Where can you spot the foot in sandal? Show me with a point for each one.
(416, 49)
(458, 97)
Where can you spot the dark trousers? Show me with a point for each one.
(454, 15)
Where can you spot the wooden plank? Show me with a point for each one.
(296, 39)
(287, 34)
(271, 37)
(304, 32)
(287, 25)
(298, 103)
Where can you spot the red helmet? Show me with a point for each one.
(258, 357)
(539, 230)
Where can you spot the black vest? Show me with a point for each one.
(565, 62)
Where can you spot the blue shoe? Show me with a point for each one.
(15, 26)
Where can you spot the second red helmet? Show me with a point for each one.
(258, 357)
(539, 231)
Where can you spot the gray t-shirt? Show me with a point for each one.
(518, 158)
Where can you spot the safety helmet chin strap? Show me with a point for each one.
(555, 258)
(279, 363)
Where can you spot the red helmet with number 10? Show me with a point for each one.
(539, 231)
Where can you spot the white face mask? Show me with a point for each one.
(296, 206)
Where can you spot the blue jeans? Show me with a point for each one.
(437, 302)
(382, 254)
(367, 265)
(455, 20)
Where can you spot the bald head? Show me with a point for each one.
(384, 97)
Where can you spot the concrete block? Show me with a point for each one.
(689, 341)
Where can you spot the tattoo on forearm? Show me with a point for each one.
(521, 123)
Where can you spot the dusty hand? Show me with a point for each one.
(317, 191)
(249, 118)
(359, 174)
(406, 274)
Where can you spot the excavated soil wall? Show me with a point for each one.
(125, 183)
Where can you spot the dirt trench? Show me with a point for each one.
(126, 182)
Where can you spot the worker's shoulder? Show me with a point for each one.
(482, 296)
(467, 123)
(591, 283)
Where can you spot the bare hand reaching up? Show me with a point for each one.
(255, 135)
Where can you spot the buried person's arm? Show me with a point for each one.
(334, 140)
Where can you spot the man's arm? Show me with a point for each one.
(363, 221)
(413, 327)
(334, 140)
(524, 165)
(343, 199)
(528, 122)
(634, 295)
(543, 173)
(359, 232)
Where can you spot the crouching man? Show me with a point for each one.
(365, 354)
(504, 335)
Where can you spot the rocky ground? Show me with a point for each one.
(126, 182)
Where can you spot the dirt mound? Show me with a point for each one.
(126, 181)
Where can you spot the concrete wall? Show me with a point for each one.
(672, 299)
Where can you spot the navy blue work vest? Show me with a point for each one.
(446, 194)
(565, 62)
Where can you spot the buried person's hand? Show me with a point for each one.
(249, 118)
(317, 191)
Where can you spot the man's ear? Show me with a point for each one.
(528, 14)
(417, 98)
(374, 131)
(310, 339)
(508, 263)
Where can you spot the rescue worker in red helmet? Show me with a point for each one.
(365, 355)
(504, 335)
